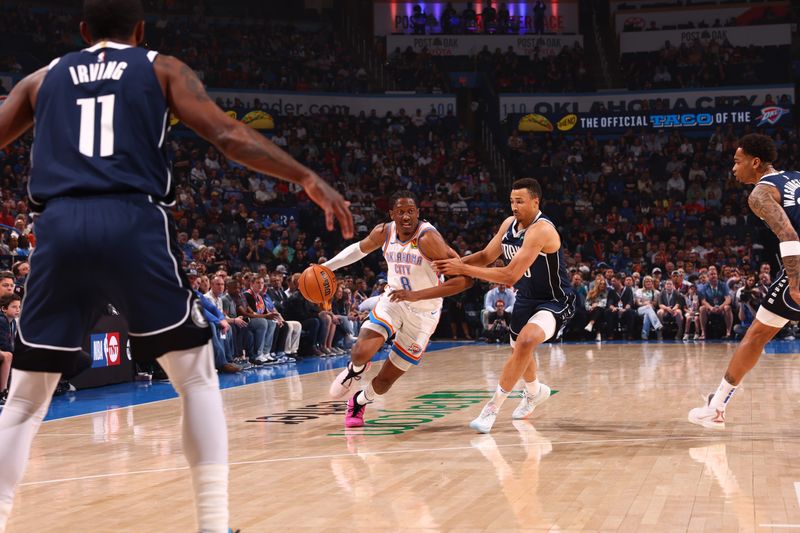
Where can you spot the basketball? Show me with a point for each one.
(317, 284)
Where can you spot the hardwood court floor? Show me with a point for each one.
(610, 451)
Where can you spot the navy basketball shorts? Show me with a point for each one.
(100, 250)
(777, 307)
(550, 315)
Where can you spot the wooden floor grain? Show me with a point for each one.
(611, 451)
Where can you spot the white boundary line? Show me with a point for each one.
(361, 454)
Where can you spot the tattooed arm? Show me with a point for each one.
(188, 100)
(765, 202)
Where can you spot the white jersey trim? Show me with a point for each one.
(107, 44)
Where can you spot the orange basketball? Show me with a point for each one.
(317, 284)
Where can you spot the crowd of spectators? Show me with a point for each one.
(564, 72)
(506, 70)
(241, 225)
(647, 202)
(418, 72)
(252, 53)
(706, 63)
(629, 209)
(767, 16)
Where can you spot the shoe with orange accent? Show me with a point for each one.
(354, 417)
(344, 381)
(707, 416)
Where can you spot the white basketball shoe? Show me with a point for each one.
(530, 402)
(707, 416)
(344, 381)
(485, 420)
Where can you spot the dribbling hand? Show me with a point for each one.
(334, 205)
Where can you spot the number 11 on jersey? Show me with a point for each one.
(86, 143)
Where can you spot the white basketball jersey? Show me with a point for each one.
(408, 268)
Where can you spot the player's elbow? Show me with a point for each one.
(467, 282)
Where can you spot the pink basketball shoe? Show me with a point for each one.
(354, 418)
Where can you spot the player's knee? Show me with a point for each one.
(526, 344)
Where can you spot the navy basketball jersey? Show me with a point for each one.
(788, 185)
(101, 121)
(547, 278)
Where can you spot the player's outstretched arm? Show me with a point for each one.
(765, 201)
(16, 113)
(493, 249)
(189, 101)
(432, 246)
(536, 238)
(359, 250)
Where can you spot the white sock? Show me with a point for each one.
(723, 395)
(28, 399)
(532, 387)
(356, 368)
(366, 395)
(210, 483)
(499, 397)
(205, 434)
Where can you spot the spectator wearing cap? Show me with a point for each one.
(380, 286)
(656, 275)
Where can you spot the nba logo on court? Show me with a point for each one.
(105, 349)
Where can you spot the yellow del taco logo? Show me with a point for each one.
(567, 123)
(259, 120)
(534, 122)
